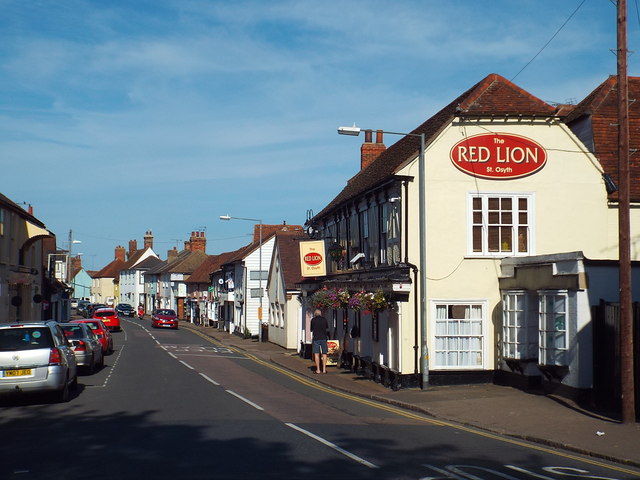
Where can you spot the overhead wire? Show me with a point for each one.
(550, 40)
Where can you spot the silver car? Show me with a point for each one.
(85, 345)
(36, 357)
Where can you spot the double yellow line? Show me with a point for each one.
(414, 416)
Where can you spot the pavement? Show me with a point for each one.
(540, 418)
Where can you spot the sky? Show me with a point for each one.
(123, 116)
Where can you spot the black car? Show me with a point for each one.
(125, 309)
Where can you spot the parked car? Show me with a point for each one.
(110, 318)
(164, 317)
(36, 357)
(85, 344)
(74, 303)
(101, 331)
(88, 312)
(125, 310)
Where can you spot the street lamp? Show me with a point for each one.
(71, 243)
(228, 217)
(424, 358)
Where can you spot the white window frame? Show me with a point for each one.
(530, 225)
(442, 339)
(519, 329)
(553, 327)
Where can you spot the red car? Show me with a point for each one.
(164, 317)
(101, 331)
(109, 316)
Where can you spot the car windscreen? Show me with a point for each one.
(102, 314)
(75, 332)
(27, 338)
(166, 312)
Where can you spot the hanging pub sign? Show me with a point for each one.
(498, 156)
(312, 259)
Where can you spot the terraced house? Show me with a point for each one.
(23, 270)
(517, 229)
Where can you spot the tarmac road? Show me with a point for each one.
(177, 404)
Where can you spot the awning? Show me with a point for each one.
(34, 230)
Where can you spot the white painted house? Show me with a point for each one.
(132, 288)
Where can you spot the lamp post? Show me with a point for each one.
(228, 217)
(424, 357)
(71, 243)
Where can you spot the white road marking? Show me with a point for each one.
(212, 356)
(333, 446)
(209, 379)
(254, 405)
(111, 370)
(184, 363)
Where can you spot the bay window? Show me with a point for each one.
(519, 334)
(552, 314)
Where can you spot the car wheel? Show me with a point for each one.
(63, 395)
(92, 366)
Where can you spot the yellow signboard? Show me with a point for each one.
(333, 355)
(312, 259)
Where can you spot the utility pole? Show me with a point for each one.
(69, 257)
(624, 228)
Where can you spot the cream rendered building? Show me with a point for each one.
(505, 178)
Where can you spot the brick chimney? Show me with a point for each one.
(148, 240)
(76, 264)
(120, 253)
(171, 254)
(133, 247)
(370, 151)
(198, 241)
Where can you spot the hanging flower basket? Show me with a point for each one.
(369, 302)
(327, 298)
(359, 301)
(379, 301)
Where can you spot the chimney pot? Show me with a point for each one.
(370, 151)
(120, 253)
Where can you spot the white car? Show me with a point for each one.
(36, 357)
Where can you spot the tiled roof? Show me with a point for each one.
(600, 108)
(210, 265)
(289, 248)
(186, 262)
(245, 251)
(134, 258)
(201, 274)
(149, 263)
(494, 95)
(268, 230)
(112, 270)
